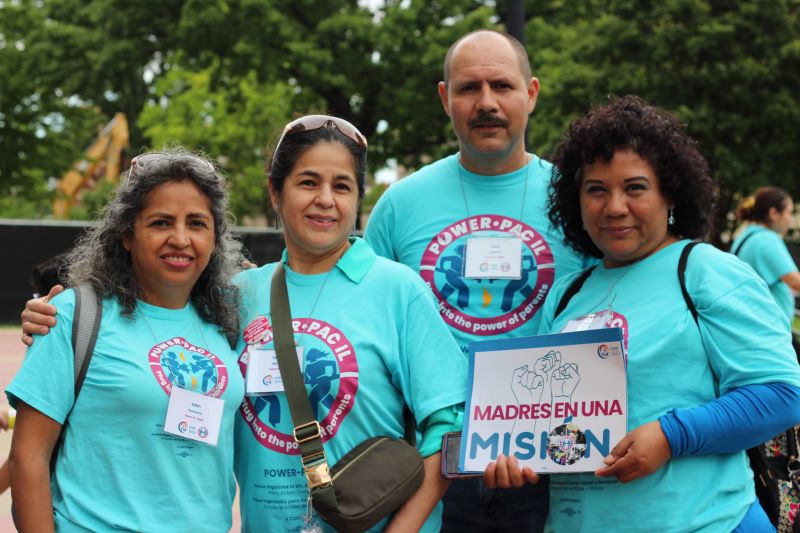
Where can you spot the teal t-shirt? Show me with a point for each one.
(766, 252)
(674, 363)
(372, 340)
(424, 221)
(117, 469)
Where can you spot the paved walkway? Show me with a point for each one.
(11, 354)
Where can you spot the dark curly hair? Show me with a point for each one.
(628, 123)
(101, 259)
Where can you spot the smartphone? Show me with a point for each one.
(451, 448)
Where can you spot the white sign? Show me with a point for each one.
(558, 403)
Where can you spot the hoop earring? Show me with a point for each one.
(671, 219)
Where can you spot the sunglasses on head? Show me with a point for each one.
(315, 122)
(142, 162)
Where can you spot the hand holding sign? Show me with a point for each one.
(640, 453)
(506, 473)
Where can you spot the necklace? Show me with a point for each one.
(612, 286)
(464, 192)
(322, 287)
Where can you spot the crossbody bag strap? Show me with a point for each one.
(307, 431)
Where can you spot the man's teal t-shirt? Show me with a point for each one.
(372, 340)
(674, 363)
(117, 469)
(765, 251)
(424, 221)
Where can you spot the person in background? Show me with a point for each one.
(632, 189)
(491, 188)
(767, 216)
(161, 259)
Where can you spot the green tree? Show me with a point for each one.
(729, 70)
(225, 75)
(411, 42)
(41, 131)
(232, 122)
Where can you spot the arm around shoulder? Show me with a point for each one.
(39, 315)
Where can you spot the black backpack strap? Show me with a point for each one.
(85, 327)
(682, 278)
(573, 289)
(741, 243)
(576, 285)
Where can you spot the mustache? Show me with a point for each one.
(487, 119)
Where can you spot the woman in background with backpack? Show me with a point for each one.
(148, 443)
(768, 215)
(632, 189)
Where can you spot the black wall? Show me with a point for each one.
(26, 243)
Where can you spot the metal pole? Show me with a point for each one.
(515, 25)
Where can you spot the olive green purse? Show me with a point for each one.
(373, 479)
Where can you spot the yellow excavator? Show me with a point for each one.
(102, 160)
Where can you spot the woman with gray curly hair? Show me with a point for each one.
(149, 441)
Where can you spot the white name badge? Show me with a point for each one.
(597, 320)
(194, 416)
(493, 258)
(263, 373)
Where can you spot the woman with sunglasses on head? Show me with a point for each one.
(161, 261)
(371, 337)
(632, 189)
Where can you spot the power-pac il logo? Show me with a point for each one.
(177, 361)
(487, 306)
(330, 373)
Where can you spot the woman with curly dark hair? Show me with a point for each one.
(161, 261)
(631, 188)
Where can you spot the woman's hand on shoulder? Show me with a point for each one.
(506, 473)
(39, 315)
(640, 453)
